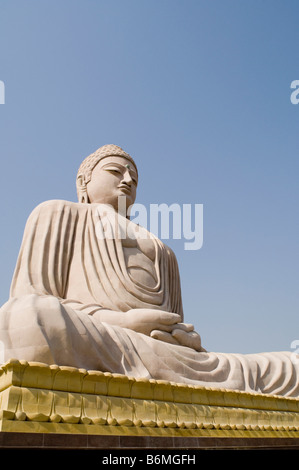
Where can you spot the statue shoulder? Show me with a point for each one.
(55, 206)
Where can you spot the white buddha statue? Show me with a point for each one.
(93, 290)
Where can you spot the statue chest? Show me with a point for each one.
(140, 257)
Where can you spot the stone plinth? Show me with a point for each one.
(41, 399)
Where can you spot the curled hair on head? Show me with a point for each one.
(89, 163)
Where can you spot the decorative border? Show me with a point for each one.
(36, 397)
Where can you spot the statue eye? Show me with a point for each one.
(113, 170)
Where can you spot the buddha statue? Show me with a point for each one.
(93, 290)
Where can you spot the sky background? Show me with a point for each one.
(198, 92)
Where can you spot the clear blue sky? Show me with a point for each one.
(199, 93)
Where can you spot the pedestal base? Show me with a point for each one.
(64, 405)
(49, 441)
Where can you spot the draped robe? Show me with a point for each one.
(68, 269)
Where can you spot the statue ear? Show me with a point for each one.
(82, 189)
(80, 181)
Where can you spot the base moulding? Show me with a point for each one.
(48, 441)
(47, 406)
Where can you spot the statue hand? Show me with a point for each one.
(190, 339)
(145, 320)
(158, 324)
(182, 334)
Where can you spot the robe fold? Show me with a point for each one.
(68, 269)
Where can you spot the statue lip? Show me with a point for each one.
(124, 187)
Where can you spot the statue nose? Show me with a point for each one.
(127, 179)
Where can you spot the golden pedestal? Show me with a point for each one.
(37, 398)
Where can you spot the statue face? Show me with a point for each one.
(113, 177)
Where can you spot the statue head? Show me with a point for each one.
(105, 175)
